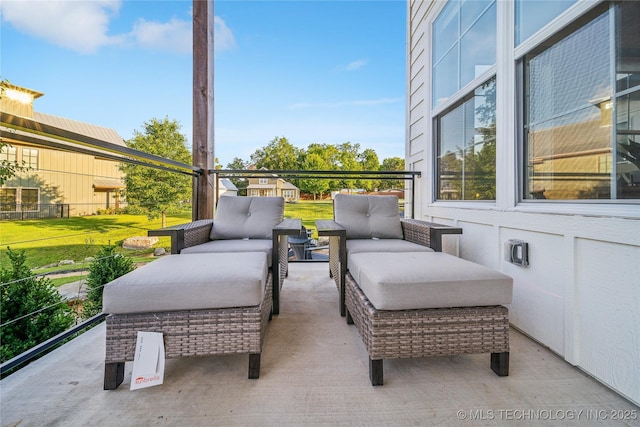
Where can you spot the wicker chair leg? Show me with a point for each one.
(349, 318)
(254, 366)
(113, 375)
(500, 363)
(343, 306)
(376, 371)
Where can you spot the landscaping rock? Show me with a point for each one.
(66, 262)
(89, 259)
(139, 242)
(159, 252)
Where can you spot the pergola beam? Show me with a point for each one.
(203, 130)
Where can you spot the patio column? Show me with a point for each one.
(203, 135)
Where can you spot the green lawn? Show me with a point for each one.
(309, 211)
(48, 241)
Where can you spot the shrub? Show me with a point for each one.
(107, 266)
(32, 310)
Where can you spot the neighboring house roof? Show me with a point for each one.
(107, 183)
(227, 184)
(288, 186)
(263, 186)
(94, 131)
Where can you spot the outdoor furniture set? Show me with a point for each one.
(215, 298)
(406, 297)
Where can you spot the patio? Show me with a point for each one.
(314, 371)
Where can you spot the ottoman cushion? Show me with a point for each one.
(190, 282)
(417, 280)
(240, 245)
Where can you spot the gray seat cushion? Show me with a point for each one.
(189, 282)
(247, 217)
(242, 245)
(355, 246)
(417, 280)
(365, 217)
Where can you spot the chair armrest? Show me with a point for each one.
(337, 254)
(290, 226)
(280, 256)
(427, 233)
(185, 235)
(328, 227)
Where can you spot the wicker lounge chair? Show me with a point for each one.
(373, 224)
(242, 224)
(406, 298)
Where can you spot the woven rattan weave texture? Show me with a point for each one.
(192, 332)
(427, 332)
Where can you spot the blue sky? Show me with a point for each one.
(311, 71)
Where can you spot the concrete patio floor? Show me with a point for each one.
(314, 372)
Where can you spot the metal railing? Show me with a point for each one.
(22, 130)
(17, 211)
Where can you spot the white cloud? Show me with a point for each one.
(172, 36)
(83, 26)
(352, 66)
(222, 36)
(78, 25)
(355, 103)
(176, 35)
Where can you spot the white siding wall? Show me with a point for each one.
(580, 296)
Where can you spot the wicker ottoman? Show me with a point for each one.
(203, 304)
(429, 304)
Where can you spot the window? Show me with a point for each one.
(263, 181)
(8, 154)
(581, 121)
(8, 199)
(533, 15)
(14, 199)
(464, 45)
(29, 199)
(466, 147)
(30, 158)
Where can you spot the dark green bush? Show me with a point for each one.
(32, 310)
(107, 266)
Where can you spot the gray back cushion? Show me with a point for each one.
(366, 217)
(247, 217)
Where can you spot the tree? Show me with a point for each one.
(389, 165)
(31, 309)
(279, 154)
(314, 186)
(348, 161)
(241, 183)
(369, 162)
(157, 191)
(107, 266)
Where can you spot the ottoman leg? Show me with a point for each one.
(113, 375)
(500, 363)
(375, 371)
(254, 366)
(349, 318)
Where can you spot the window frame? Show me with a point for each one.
(31, 158)
(461, 99)
(561, 29)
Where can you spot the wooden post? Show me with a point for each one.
(203, 136)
